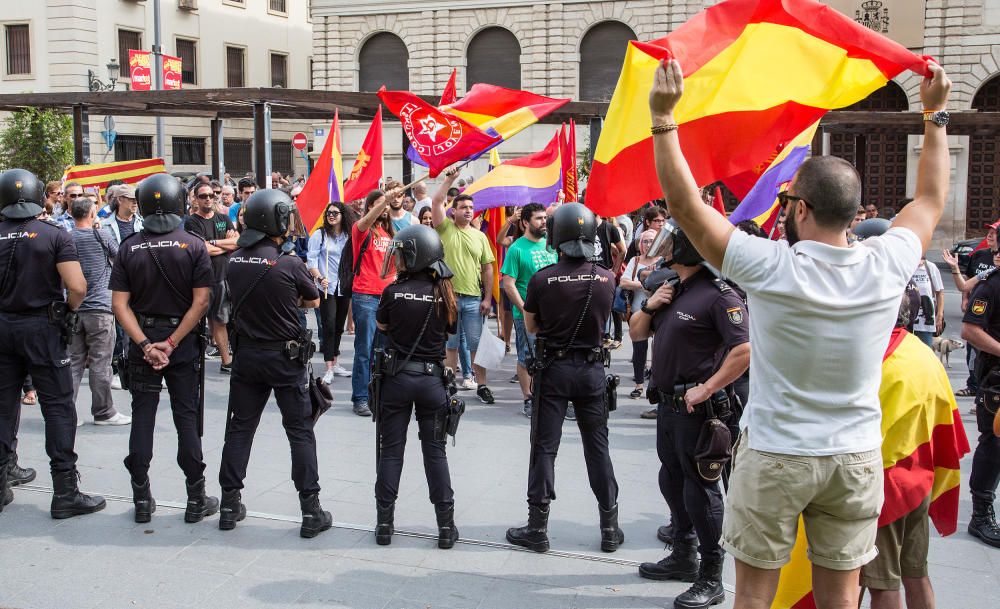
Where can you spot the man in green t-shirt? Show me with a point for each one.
(524, 258)
(467, 253)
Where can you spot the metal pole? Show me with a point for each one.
(218, 166)
(158, 74)
(407, 163)
(262, 144)
(81, 135)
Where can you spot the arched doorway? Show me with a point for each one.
(494, 57)
(981, 204)
(880, 158)
(602, 53)
(383, 60)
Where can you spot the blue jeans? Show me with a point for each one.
(363, 307)
(464, 359)
(470, 321)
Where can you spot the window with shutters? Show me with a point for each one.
(239, 156)
(17, 38)
(494, 57)
(187, 50)
(128, 40)
(277, 7)
(281, 156)
(236, 63)
(188, 150)
(602, 53)
(279, 70)
(384, 60)
(133, 147)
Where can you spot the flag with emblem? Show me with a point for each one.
(325, 183)
(367, 169)
(756, 74)
(100, 174)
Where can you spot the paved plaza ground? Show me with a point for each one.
(107, 561)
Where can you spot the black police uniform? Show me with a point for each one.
(575, 374)
(979, 261)
(266, 286)
(984, 311)
(159, 309)
(693, 334)
(417, 387)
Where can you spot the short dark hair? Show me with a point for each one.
(81, 207)
(245, 183)
(453, 192)
(751, 228)
(832, 187)
(531, 209)
(652, 213)
(461, 198)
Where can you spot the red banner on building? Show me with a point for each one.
(139, 70)
(171, 72)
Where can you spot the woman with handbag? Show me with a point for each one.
(326, 249)
(630, 282)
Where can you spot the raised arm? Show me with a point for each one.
(437, 202)
(708, 230)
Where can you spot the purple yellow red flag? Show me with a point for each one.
(367, 170)
(130, 172)
(535, 178)
(757, 73)
(325, 183)
(923, 441)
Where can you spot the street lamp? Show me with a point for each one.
(114, 72)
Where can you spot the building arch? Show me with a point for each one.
(982, 206)
(493, 56)
(383, 59)
(602, 53)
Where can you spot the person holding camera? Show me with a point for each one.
(701, 347)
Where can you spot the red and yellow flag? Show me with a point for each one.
(325, 183)
(130, 172)
(757, 73)
(367, 170)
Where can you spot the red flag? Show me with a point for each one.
(317, 192)
(450, 94)
(569, 164)
(439, 138)
(718, 204)
(367, 169)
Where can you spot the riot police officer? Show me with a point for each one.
(416, 313)
(269, 284)
(160, 289)
(701, 347)
(38, 258)
(566, 306)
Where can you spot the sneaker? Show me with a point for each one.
(514, 379)
(571, 413)
(526, 409)
(116, 383)
(212, 351)
(118, 419)
(226, 368)
(339, 370)
(328, 377)
(361, 409)
(485, 395)
(467, 384)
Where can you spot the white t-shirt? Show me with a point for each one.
(422, 203)
(927, 278)
(820, 319)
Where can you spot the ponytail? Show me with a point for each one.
(444, 291)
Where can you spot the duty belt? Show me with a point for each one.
(428, 368)
(158, 321)
(39, 312)
(594, 354)
(266, 345)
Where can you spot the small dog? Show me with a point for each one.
(944, 346)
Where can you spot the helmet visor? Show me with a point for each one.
(663, 244)
(298, 227)
(391, 254)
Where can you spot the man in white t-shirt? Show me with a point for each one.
(930, 319)
(811, 430)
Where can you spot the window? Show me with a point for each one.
(187, 50)
(188, 150)
(383, 60)
(277, 6)
(602, 53)
(281, 156)
(18, 49)
(128, 40)
(279, 70)
(494, 57)
(133, 147)
(236, 66)
(239, 156)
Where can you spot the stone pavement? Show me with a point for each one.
(107, 561)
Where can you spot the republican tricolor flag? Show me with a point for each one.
(325, 183)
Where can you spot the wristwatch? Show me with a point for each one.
(145, 343)
(940, 118)
(645, 309)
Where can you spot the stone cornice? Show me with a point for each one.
(324, 8)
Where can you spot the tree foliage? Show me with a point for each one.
(40, 141)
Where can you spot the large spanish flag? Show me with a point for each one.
(923, 441)
(535, 178)
(130, 172)
(756, 74)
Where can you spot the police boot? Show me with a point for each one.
(6, 495)
(447, 532)
(680, 565)
(983, 523)
(666, 533)
(232, 510)
(199, 505)
(315, 520)
(17, 475)
(384, 528)
(68, 501)
(707, 589)
(534, 536)
(611, 535)
(145, 505)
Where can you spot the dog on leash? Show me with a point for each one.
(944, 346)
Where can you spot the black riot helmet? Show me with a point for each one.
(872, 227)
(268, 214)
(572, 230)
(21, 194)
(416, 248)
(162, 200)
(674, 246)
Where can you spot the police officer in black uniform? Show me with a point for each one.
(37, 259)
(566, 306)
(269, 284)
(702, 346)
(160, 289)
(416, 313)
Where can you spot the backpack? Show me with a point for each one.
(349, 269)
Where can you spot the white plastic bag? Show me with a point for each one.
(491, 350)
